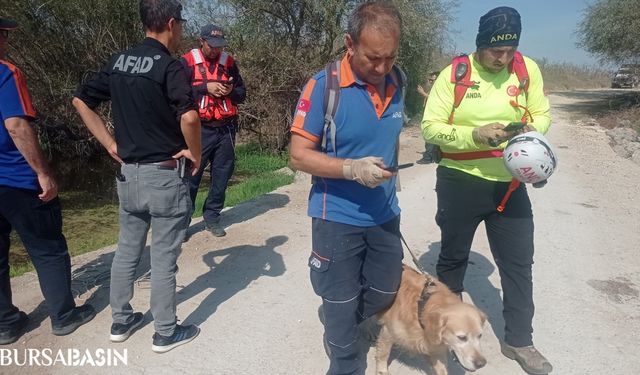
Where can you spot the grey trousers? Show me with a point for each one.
(159, 198)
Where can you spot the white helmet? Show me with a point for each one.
(529, 158)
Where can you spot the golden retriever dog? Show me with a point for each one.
(427, 318)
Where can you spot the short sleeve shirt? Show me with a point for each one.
(14, 102)
(149, 91)
(366, 125)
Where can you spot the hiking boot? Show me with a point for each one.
(13, 333)
(121, 332)
(216, 229)
(79, 316)
(181, 336)
(425, 160)
(529, 359)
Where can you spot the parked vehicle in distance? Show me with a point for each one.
(628, 76)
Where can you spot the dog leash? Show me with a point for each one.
(413, 256)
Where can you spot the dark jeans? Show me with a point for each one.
(218, 149)
(39, 226)
(357, 273)
(463, 202)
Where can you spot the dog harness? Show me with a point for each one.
(424, 297)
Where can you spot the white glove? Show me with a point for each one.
(366, 171)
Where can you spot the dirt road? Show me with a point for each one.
(249, 291)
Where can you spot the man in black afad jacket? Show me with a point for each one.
(218, 89)
(156, 130)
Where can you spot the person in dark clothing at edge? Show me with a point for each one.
(471, 178)
(30, 205)
(356, 258)
(218, 89)
(157, 133)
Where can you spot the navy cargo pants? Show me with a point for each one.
(463, 202)
(218, 149)
(39, 225)
(356, 271)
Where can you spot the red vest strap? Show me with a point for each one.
(462, 83)
(472, 155)
(518, 67)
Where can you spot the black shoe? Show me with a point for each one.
(216, 229)
(80, 315)
(181, 336)
(11, 335)
(425, 160)
(121, 332)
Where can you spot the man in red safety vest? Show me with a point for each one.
(218, 89)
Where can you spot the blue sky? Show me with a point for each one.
(548, 27)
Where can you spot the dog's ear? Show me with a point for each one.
(434, 327)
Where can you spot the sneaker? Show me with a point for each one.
(181, 336)
(12, 334)
(216, 229)
(79, 316)
(121, 332)
(529, 359)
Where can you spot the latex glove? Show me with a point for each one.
(366, 171)
(490, 134)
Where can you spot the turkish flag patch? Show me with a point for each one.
(304, 105)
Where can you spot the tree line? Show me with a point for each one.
(278, 44)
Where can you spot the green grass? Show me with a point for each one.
(90, 222)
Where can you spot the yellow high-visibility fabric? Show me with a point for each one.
(488, 101)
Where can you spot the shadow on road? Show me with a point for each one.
(230, 271)
(245, 211)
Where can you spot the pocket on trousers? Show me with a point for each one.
(320, 262)
(123, 194)
(47, 219)
(164, 199)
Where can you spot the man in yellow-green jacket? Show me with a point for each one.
(497, 86)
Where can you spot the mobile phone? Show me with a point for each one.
(182, 167)
(401, 166)
(515, 126)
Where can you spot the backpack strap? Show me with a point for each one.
(518, 67)
(331, 101)
(401, 80)
(461, 78)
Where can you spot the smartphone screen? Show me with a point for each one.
(514, 126)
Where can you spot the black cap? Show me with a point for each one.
(498, 28)
(178, 14)
(6, 24)
(213, 35)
